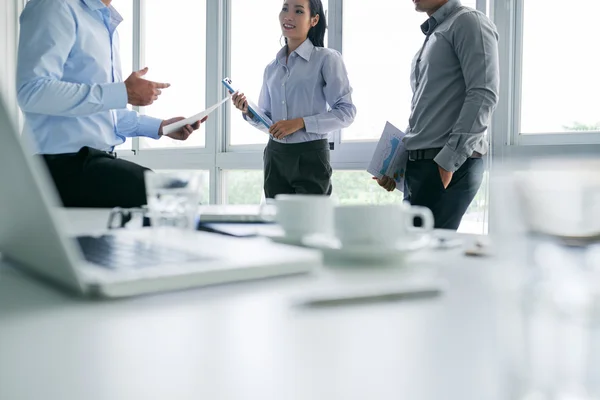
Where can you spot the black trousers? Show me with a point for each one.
(299, 168)
(94, 178)
(423, 187)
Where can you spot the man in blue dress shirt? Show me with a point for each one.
(70, 89)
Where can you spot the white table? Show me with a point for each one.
(250, 341)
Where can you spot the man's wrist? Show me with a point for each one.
(150, 127)
(449, 159)
(442, 168)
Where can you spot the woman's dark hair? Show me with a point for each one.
(316, 34)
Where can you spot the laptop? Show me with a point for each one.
(124, 262)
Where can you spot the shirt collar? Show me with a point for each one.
(109, 13)
(304, 50)
(116, 17)
(94, 4)
(439, 16)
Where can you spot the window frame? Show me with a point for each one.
(509, 18)
(218, 154)
(9, 19)
(139, 60)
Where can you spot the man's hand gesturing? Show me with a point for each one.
(141, 92)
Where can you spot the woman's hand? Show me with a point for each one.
(284, 128)
(240, 102)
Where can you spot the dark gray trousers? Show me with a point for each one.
(423, 187)
(298, 168)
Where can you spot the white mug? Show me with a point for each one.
(380, 225)
(301, 214)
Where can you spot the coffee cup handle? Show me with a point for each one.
(263, 212)
(426, 216)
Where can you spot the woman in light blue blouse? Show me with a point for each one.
(307, 95)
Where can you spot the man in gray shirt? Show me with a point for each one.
(455, 83)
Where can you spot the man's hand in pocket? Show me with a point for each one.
(446, 176)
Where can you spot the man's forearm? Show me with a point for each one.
(53, 97)
(468, 130)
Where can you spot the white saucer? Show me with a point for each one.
(333, 250)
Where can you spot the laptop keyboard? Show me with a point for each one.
(114, 253)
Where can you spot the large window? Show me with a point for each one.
(174, 47)
(125, 31)
(349, 187)
(243, 186)
(358, 187)
(561, 60)
(378, 53)
(175, 53)
(385, 45)
(205, 187)
(248, 62)
(549, 84)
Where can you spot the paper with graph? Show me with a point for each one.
(390, 156)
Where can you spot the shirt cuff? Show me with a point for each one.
(148, 126)
(449, 159)
(311, 124)
(252, 121)
(114, 95)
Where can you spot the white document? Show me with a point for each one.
(390, 156)
(193, 119)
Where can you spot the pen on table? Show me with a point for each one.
(342, 300)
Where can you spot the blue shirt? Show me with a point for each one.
(313, 85)
(69, 82)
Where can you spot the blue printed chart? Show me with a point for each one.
(390, 156)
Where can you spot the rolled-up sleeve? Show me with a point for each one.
(48, 32)
(338, 94)
(476, 46)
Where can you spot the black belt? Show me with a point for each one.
(63, 155)
(298, 148)
(430, 154)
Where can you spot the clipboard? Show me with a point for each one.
(253, 108)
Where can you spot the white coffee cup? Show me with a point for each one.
(380, 225)
(300, 215)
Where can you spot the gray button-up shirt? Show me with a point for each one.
(313, 85)
(455, 82)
